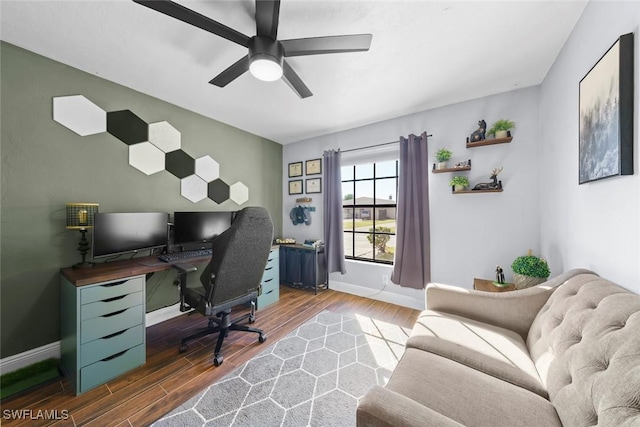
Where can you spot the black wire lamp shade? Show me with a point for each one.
(80, 217)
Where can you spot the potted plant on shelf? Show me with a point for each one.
(500, 128)
(443, 155)
(459, 183)
(529, 270)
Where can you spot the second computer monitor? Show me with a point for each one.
(192, 228)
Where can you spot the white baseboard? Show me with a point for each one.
(386, 296)
(21, 360)
(27, 358)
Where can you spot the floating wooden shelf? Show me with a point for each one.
(466, 168)
(477, 191)
(489, 142)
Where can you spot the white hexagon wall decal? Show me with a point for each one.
(164, 136)
(193, 188)
(146, 157)
(79, 114)
(239, 193)
(207, 168)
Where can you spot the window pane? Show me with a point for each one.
(364, 192)
(348, 244)
(346, 172)
(362, 247)
(364, 171)
(386, 217)
(385, 247)
(347, 216)
(386, 190)
(347, 192)
(386, 169)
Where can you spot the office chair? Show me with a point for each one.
(232, 277)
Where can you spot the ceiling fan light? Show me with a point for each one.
(265, 69)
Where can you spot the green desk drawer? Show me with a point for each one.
(108, 346)
(102, 326)
(269, 296)
(111, 290)
(105, 370)
(100, 308)
(272, 274)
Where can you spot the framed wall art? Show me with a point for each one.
(606, 115)
(313, 167)
(295, 186)
(295, 169)
(313, 185)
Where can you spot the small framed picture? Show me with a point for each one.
(295, 169)
(313, 167)
(295, 186)
(314, 185)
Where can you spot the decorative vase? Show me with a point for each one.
(459, 187)
(441, 165)
(501, 134)
(521, 281)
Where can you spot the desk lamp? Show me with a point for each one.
(80, 217)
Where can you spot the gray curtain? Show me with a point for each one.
(333, 226)
(412, 263)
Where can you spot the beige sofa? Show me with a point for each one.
(564, 353)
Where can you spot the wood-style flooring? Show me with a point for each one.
(169, 378)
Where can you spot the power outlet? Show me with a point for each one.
(385, 279)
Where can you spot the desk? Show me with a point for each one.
(102, 319)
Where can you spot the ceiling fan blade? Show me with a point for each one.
(194, 18)
(329, 44)
(233, 72)
(294, 81)
(267, 17)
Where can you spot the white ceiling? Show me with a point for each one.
(424, 54)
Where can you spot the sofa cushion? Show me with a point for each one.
(467, 395)
(585, 343)
(490, 349)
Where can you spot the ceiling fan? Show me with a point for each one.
(266, 54)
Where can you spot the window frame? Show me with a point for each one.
(372, 206)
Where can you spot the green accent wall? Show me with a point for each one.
(45, 165)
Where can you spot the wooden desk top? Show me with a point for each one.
(119, 269)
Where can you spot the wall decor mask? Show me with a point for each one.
(153, 147)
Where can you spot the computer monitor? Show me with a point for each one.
(199, 227)
(123, 232)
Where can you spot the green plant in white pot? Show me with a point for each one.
(443, 155)
(500, 128)
(529, 270)
(459, 183)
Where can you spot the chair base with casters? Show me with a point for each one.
(222, 325)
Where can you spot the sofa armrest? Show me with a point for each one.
(511, 310)
(381, 407)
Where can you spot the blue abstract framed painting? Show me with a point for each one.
(606, 115)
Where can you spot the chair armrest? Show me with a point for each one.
(511, 310)
(381, 407)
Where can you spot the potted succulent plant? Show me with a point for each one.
(459, 183)
(443, 155)
(529, 270)
(500, 128)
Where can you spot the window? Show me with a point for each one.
(369, 194)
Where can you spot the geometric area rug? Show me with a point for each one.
(314, 376)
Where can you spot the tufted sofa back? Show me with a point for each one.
(585, 343)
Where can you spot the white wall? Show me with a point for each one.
(594, 225)
(470, 234)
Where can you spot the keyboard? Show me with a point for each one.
(179, 256)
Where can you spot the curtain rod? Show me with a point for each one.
(373, 146)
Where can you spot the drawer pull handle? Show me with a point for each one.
(269, 268)
(106, 359)
(268, 280)
(115, 334)
(108, 285)
(114, 298)
(115, 313)
(269, 292)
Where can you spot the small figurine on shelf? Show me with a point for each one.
(499, 275)
(494, 184)
(480, 133)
